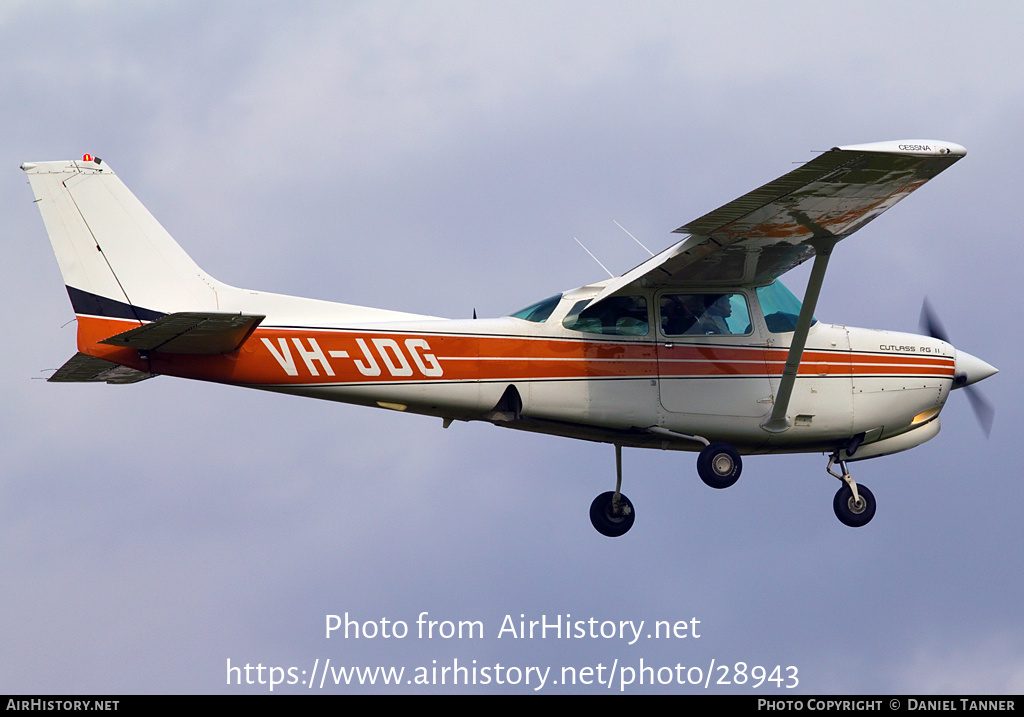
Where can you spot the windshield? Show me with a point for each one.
(780, 308)
(539, 312)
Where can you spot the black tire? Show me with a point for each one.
(605, 521)
(850, 514)
(719, 465)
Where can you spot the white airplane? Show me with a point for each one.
(700, 348)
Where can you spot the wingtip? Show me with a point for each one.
(910, 147)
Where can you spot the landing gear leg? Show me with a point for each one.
(611, 513)
(854, 505)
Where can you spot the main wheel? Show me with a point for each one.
(719, 465)
(608, 522)
(849, 511)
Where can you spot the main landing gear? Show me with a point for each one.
(719, 465)
(854, 505)
(611, 513)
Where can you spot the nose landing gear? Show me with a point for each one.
(854, 505)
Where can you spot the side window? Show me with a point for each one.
(704, 314)
(620, 315)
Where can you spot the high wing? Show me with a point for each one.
(767, 232)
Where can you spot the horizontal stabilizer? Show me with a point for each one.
(190, 332)
(84, 368)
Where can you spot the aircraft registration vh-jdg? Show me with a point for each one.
(699, 348)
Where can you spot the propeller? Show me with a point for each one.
(931, 324)
(983, 410)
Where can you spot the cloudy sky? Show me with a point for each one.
(440, 158)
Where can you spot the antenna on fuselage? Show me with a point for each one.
(633, 238)
(610, 275)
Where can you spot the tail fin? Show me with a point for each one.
(116, 259)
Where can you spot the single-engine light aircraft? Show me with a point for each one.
(699, 348)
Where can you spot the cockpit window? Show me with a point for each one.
(780, 308)
(620, 315)
(703, 314)
(539, 312)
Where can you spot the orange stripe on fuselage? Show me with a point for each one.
(280, 356)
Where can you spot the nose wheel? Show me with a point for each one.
(854, 504)
(852, 511)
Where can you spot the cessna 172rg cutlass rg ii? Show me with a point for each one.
(699, 348)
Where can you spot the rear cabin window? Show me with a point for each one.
(617, 315)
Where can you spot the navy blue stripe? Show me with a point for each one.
(84, 302)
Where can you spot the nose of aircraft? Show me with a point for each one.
(971, 369)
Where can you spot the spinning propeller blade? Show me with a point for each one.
(969, 370)
(983, 410)
(931, 324)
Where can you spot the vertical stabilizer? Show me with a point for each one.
(116, 259)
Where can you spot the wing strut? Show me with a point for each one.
(778, 422)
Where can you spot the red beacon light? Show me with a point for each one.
(87, 158)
